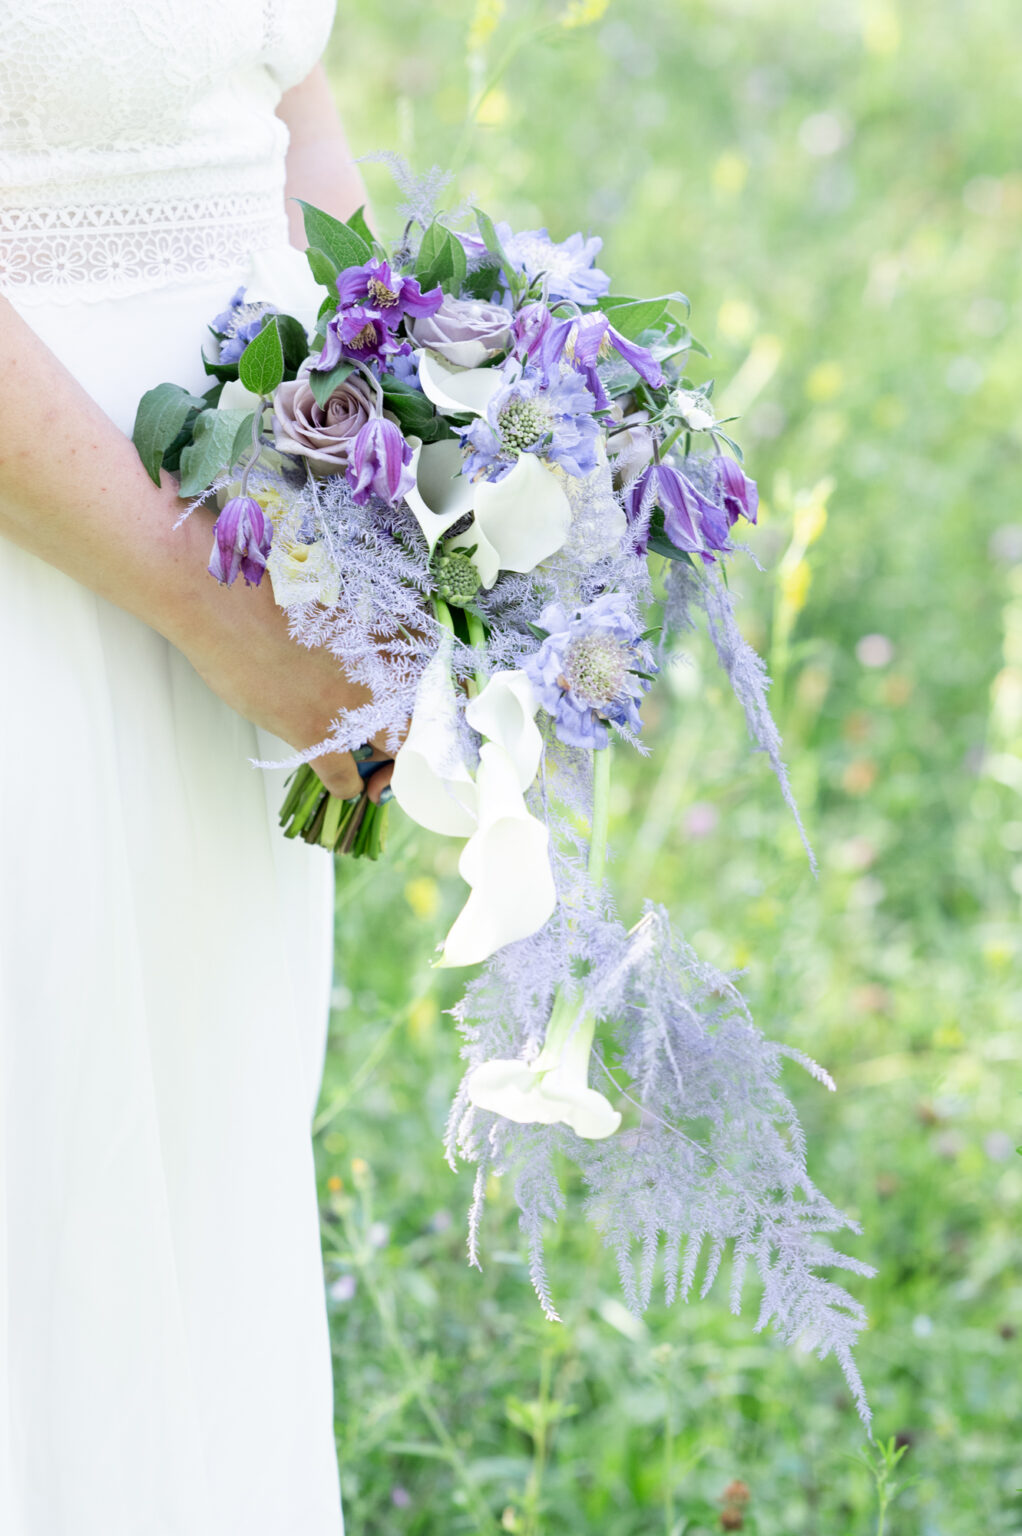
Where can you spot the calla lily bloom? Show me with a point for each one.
(552, 1088)
(506, 860)
(440, 495)
(519, 520)
(463, 391)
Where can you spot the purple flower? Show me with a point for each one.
(594, 335)
(242, 535)
(239, 324)
(359, 334)
(692, 521)
(540, 339)
(567, 268)
(378, 463)
(586, 674)
(530, 415)
(375, 288)
(735, 489)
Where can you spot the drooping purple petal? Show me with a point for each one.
(376, 288)
(359, 334)
(379, 463)
(737, 492)
(242, 536)
(593, 334)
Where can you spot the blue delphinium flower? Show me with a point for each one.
(530, 415)
(242, 536)
(239, 324)
(566, 267)
(587, 672)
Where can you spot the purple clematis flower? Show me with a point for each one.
(239, 324)
(375, 288)
(540, 339)
(379, 461)
(735, 489)
(587, 672)
(242, 536)
(594, 335)
(358, 334)
(531, 415)
(692, 521)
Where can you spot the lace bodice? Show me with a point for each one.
(138, 139)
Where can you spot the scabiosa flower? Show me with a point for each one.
(585, 672)
(567, 268)
(379, 461)
(528, 415)
(242, 535)
(737, 492)
(386, 294)
(692, 521)
(595, 337)
(359, 334)
(239, 324)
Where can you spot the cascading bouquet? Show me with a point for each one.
(488, 487)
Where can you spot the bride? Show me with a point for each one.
(164, 953)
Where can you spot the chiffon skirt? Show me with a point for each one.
(164, 976)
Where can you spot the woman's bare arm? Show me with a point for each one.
(81, 501)
(320, 168)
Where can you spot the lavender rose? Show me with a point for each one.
(324, 435)
(465, 332)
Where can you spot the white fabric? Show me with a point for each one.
(164, 953)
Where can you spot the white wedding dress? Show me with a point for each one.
(164, 953)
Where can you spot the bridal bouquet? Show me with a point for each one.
(488, 487)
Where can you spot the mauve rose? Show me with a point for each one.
(324, 435)
(465, 332)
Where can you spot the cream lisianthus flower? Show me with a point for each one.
(302, 573)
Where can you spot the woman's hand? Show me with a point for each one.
(237, 640)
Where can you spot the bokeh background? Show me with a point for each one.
(836, 186)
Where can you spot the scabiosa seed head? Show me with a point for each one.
(521, 423)
(457, 580)
(595, 669)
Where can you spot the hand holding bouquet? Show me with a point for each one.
(487, 486)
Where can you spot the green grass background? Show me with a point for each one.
(836, 186)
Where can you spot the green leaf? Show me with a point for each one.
(324, 384)
(324, 269)
(633, 316)
(441, 259)
(261, 365)
(209, 452)
(294, 342)
(357, 222)
(161, 414)
(340, 242)
(483, 283)
(242, 439)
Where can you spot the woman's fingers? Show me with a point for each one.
(339, 774)
(379, 783)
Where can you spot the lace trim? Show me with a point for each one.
(110, 250)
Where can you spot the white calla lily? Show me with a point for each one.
(302, 573)
(431, 782)
(441, 494)
(506, 862)
(519, 521)
(552, 1088)
(463, 391)
(505, 712)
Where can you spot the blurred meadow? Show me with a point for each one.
(837, 187)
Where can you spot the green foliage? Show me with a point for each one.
(261, 365)
(161, 415)
(837, 190)
(213, 438)
(441, 259)
(343, 244)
